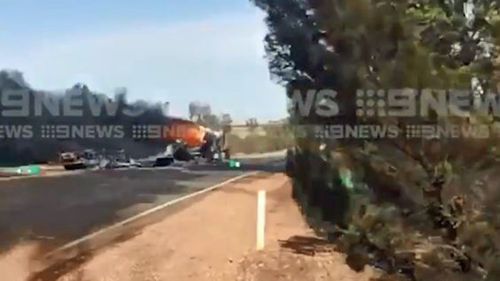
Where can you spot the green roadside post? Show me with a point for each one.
(234, 164)
(29, 170)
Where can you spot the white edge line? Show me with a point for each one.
(146, 213)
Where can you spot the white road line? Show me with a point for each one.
(145, 213)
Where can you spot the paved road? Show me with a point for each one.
(56, 210)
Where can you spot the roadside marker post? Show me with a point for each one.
(261, 219)
(234, 164)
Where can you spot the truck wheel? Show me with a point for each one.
(73, 167)
(182, 154)
(163, 162)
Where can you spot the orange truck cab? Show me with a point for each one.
(189, 132)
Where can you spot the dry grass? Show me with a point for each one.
(259, 141)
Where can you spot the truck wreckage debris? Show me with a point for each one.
(186, 142)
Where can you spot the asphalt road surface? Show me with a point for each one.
(61, 209)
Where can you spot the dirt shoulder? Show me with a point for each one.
(214, 239)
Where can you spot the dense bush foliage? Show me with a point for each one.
(420, 209)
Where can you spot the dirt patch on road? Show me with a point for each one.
(17, 264)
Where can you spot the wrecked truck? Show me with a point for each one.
(75, 160)
(188, 141)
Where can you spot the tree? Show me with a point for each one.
(383, 44)
(226, 122)
(198, 110)
(252, 123)
(202, 114)
(211, 121)
(226, 119)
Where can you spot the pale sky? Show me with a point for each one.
(160, 50)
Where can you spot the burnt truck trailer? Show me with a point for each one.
(191, 140)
